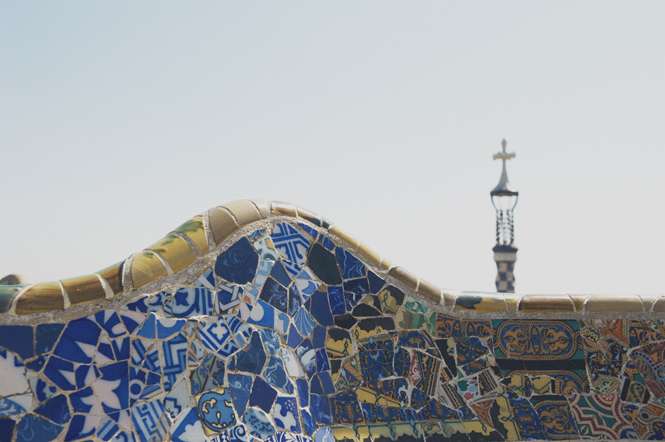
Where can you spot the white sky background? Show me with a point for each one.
(120, 120)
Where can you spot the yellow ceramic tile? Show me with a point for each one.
(84, 289)
(506, 416)
(175, 251)
(339, 343)
(42, 297)
(363, 433)
(432, 430)
(146, 268)
(381, 431)
(222, 224)
(195, 231)
(391, 299)
(367, 395)
(361, 334)
(476, 427)
(113, 276)
(344, 433)
(407, 431)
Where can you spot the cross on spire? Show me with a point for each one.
(503, 155)
(503, 187)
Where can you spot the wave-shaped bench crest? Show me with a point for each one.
(264, 321)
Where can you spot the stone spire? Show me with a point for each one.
(504, 201)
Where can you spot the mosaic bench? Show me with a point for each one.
(262, 321)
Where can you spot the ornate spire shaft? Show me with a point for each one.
(504, 201)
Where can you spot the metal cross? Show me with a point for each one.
(503, 155)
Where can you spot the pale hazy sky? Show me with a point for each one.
(119, 120)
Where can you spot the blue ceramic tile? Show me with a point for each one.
(350, 266)
(327, 243)
(46, 337)
(36, 429)
(308, 424)
(324, 265)
(55, 409)
(309, 230)
(214, 410)
(376, 283)
(274, 294)
(292, 246)
(279, 274)
(286, 415)
(320, 308)
(240, 387)
(228, 297)
(320, 408)
(303, 392)
(7, 429)
(78, 341)
(174, 351)
(303, 322)
(253, 357)
(295, 300)
(263, 314)
(187, 302)
(107, 430)
(184, 424)
(294, 339)
(150, 421)
(258, 424)
(238, 263)
(17, 338)
(336, 299)
(354, 291)
(275, 374)
(263, 395)
(56, 369)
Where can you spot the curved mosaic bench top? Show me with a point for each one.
(261, 321)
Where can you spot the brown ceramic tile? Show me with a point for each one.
(429, 291)
(512, 302)
(448, 299)
(83, 289)
(578, 302)
(244, 211)
(480, 303)
(7, 295)
(404, 276)
(194, 230)
(146, 268)
(363, 252)
(546, 304)
(263, 207)
(222, 223)
(175, 251)
(40, 298)
(618, 304)
(309, 216)
(283, 209)
(659, 305)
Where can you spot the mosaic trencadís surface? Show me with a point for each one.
(284, 334)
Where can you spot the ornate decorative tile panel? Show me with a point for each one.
(265, 324)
